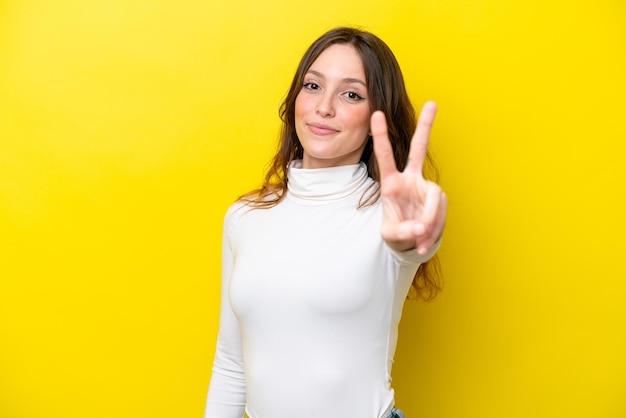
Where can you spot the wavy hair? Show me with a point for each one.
(387, 92)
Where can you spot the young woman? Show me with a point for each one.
(317, 263)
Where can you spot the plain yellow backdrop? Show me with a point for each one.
(127, 128)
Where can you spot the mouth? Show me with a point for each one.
(321, 129)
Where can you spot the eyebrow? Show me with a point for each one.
(347, 80)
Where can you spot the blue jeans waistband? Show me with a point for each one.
(396, 413)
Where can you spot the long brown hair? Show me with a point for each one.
(387, 92)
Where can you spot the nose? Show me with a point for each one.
(325, 106)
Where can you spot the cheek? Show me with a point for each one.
(299, 113)
(300, 107)
(361, 119)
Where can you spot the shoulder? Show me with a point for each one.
(243, 211)
(236, 208)
(235, 211)
(233, 215)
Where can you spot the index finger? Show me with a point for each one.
(382, 146)
(419, 142)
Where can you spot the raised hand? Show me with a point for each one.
(414, 209)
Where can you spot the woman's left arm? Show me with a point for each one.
(414, 209)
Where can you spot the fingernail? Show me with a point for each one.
(419, 229)
(422, 250)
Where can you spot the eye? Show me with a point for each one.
(353, 96)
(311, 86)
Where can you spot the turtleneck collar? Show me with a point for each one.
(325, 185)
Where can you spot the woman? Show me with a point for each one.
(318, 262)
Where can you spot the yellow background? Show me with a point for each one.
(126, 129)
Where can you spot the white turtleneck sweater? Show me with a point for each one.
(311, 301)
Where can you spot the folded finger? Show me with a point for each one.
(433, 218)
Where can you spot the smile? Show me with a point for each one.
(321, 129)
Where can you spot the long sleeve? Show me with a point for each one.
(227, 391)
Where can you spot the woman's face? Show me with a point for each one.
(333, 110)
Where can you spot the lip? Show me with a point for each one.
(321, 129)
